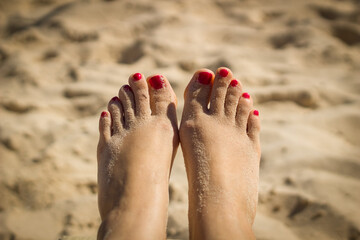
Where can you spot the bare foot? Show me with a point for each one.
(138, 141)
(222, 153)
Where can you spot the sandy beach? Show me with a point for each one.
(61, 61)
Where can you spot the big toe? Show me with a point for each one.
(198, 92)
(162, 96)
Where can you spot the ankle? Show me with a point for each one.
(207, 228)
(210, 218)
(133, 223)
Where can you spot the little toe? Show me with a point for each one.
(232, 98)
(116, 112)
(128, 102)
(105, 127)
(253, 125)
(140, 89)
(198, 92)
(217, 99)
(243, 110)
(162, 96)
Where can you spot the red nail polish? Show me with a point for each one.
(104, 114)
(114, 99)
(256, 112)
(234, 83)
(157, 82)
(137, 76)
(223, 72)
(204, 77)
(246, 95)
(127, 88)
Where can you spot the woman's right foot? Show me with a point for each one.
(222, 153)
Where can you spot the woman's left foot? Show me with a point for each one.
(138, 142)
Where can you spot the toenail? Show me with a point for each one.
(246, 95)
(234, 83)
(114, 99)
(223, 72)
(205, 77)
(157, 82)
(137, 76)
(256, 112)
(127, 88)
(104, 114)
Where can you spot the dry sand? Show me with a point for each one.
(60, 62)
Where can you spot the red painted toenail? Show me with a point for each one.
(157, 82)
(256, 112)
(127, 88)
(104, 114)
(137, 76)
(234, 83)
(246, 95)
(223, 72)
(205, 77)
(114, 99)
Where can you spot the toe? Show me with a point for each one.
(243, 110)
(128, 102)
(115, 109)
(217, 99)
(162, 96)
(232, 98)
(105, 126)
(198, 91)
(253, 125)
(141, 94)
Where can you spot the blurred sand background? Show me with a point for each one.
(61, 61)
